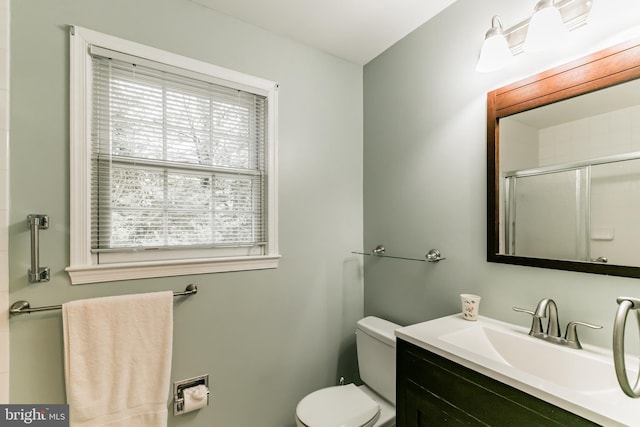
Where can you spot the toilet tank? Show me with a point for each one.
(376, 344)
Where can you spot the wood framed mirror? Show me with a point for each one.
(561, 88)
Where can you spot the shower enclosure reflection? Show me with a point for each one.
(570, 181)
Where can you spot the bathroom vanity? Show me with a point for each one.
(433, 390)
(491, 373)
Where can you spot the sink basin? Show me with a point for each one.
(583, 371)
(580, 381)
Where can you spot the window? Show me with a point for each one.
(173, 164)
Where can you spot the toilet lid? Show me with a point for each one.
(339, 406)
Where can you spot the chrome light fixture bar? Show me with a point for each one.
(574, 15)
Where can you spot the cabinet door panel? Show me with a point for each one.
(432, 390)
(424, 410)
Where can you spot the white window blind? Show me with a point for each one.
(176, 161)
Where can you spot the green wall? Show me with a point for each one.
(269, 337)
(425, 173)
(266, 338)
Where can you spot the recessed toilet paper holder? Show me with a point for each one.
(180, 386)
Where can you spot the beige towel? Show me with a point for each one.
(117, 354)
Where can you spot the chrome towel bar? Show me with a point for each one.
(625, 304)
(22, 307)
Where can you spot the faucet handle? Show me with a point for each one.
(536, 323)
(523, 310)
(571, 335)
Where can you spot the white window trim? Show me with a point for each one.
(83, 264)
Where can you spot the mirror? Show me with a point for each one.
(563, 166)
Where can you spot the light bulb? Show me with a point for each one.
(546, 28)
(494, 53)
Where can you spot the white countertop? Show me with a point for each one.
(606, 405)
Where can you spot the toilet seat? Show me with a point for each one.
(338, 406)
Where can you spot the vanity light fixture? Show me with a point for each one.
(534, 32)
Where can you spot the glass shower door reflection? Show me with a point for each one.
(615, 203)
(548, 215)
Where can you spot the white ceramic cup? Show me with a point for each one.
(470, 306)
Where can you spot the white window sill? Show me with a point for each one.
(150, 269)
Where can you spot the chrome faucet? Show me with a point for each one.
(547, 304)
(553, 325)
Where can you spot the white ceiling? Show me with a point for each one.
(355, 30)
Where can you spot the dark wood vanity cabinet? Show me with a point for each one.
(434, 391)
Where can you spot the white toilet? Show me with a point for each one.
(368, 405)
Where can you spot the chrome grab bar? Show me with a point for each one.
(36, 223)
(625, 304)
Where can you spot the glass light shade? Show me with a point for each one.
(546, 29)
(494, 54)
